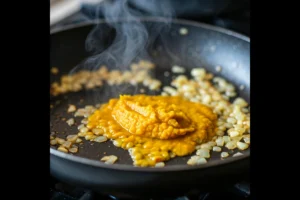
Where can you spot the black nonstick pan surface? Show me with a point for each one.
(204, 46)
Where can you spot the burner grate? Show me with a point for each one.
(62, 191)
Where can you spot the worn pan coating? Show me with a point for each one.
(203, 46)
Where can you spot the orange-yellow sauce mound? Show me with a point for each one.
(152, 117)
(154, 128)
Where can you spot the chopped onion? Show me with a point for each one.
(109, 159)
(53, 142)
(231, 145)
(100, 139)
(205, 146)
(72, 138)
(242, 146)
(62, 149)
(67, 144)
(73, 150)
(217, 149)
(59, 140)
(203, 153)
(98, 131)
(237, 154)
(224, 154)
(71, 108)
(160, 164)
(220, 141)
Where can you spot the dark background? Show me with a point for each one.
(229, 14)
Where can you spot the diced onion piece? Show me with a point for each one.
(247, 138)
(80, 126)
(62, 149)
(73, 149)
(183, 31)
(233, 133)
(226, 139)
(217, 149)
(198, 72)
(53, 142)
(242, 146)
(78, 140)
(224, 154)
(196, 160)
(220, 141)
(212, 143)
(201, 161)
(160, 164)
(67, 144)
(90, 137)
(70, 121)
(84, 130)
(178, 69)
(205, 146)
(81, 134)
(84, 121)
(72, 138)
(237, 154)
(203, 153)
(100, 139)
(98, 131)
(71, 108)
(231, 145)
(60, 140)
(109, 159)
(218, 68)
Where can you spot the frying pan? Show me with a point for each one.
(204, 46)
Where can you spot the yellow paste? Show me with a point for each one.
(154, 128)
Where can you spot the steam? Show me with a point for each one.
(126, 43)
(131, 35)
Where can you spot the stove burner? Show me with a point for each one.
(62, 191)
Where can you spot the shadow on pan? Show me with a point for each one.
(204, 46)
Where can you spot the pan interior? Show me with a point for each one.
(202, 47)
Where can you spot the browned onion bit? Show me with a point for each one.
(91, 79)
(60, 140)
(72, 108)
(67, 144)
(109, 159)
(63, 149)
(72, 138)
(73, 150)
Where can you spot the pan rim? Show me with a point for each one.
(123, 167)
(156, 19)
